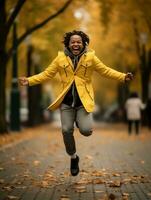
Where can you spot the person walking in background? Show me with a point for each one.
(133, 108)
(75, 66)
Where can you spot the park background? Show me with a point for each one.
(32, 34)
(33, 162)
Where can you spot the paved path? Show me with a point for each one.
(113, 166)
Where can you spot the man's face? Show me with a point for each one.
(76, 44)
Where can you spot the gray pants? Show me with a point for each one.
(69, 116)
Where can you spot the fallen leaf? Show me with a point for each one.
(149, 194)
(144, 176)
(44, 184)
(125, 194)
(83, 181)
(26, 175)
(98, 181)
(36, 162)
(8, 188)
(116, 174)
(83, 173)
(88, 157)
(80, 189)
(21, 187)
(1, 181)
(99, 191)
(133, 181)
(126, 180)
(115, 183)
(12, 197)
(64, 197)
(112, 196)
(125, 198)
(97, 173)
(49, 175)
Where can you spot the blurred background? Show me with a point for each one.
(31, 33)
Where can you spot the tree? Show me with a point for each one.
(135, 17)
(6, 23)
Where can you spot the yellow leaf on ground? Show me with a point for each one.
(125, 194)
(12, 197)
(115, 183)
(1, 181)
(64, 197)
(116, 174)
(98, 181)
(36, 162)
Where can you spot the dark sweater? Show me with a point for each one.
(72, 97)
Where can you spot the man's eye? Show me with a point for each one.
(76, 42)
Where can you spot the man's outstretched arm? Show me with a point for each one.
(46, 75)
(107, 72)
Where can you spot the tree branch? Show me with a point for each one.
(31, 30)
(14, 14)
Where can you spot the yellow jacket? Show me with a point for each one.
(82, 77)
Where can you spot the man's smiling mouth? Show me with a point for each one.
(76, 48)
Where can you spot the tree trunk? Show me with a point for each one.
(3, 123)
(145, 85)
(144, 75)
(3, 62)
(34, 93)
(123, 93)
(149, 63)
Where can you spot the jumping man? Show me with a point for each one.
(75, 66)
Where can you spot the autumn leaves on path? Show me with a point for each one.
(113, 165)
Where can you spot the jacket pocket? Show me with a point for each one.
(65, 72)
(86, 67)
(64, 67)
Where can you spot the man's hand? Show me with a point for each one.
(23, 81)
(129, 76)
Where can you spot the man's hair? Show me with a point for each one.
(84, 36)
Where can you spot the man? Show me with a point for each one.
(76, 101)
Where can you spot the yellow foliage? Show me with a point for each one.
(116, 47)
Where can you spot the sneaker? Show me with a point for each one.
(74, 167)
